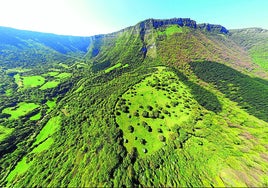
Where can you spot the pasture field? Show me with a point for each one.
(154, 112)
(21, 109)
(49, 129)
(5, 132)
(33, 81)
(50, 84)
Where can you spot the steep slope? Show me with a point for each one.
(255, 41)
(162, 103)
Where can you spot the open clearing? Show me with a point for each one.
(21, 109)
(154, 112)
(49, 85)
(5, 132)
(50, 128)
(33, 81)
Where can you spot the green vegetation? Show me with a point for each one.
(63, 75)
(50, 84)
(4, 132)
(20, 168)
(33, 81)
(154, 110)
(51, 104)
(21, 109)
(113, 67)
(250, 93)
(8, 92)
(36, 117)
(259, 55)
(51, 74)
(18, 80)
(50, 128)
(172, 30)
(162, 117)
(43, 146)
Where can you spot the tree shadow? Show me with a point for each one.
(204, 97)
(250, 93)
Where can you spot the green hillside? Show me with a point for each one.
(255, 41)
(165, 103)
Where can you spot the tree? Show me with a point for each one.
(130, 128)
(125, 109)
(162, 138)
(136, 114)
(142, 141)
(145, 114)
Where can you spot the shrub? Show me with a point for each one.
(156, 114)
(159, 130)
(149, 107)
(144, 123)
(149, 128)
(162, 138)
(130, 128)
(125, 109)
(174, 103)
(142, 141)
(145, 114)
(136, 114)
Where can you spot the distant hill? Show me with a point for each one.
(40, 47)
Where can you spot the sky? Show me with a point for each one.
(91, 17)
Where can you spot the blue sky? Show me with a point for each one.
(89, 17)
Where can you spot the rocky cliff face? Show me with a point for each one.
(213, 28)
(183, 22)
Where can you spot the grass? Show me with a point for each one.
(20, 168)
(21, 109)
(43, 146)
(46, 141)
(113, 67)
(50, 128)
(63, 75)
(33, 81)
(52, 73)
(79, 89)
(51, 104)
(17, 70)
(172, 30)
(8, 92)
(64, 65)
(259, 55)
(5, 132)
(18, 80)
(36, 117)
(50, 84)
(168, 101)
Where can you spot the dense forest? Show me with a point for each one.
(161, 103)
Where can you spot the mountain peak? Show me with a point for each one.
(157, 23)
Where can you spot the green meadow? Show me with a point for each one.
(153, 112)
(5, 132)
(33, 81)
(21, 109)
(49, 129)
(43, 142)
(49, 85)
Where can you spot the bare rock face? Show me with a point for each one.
(146, 25)
(213, 28)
